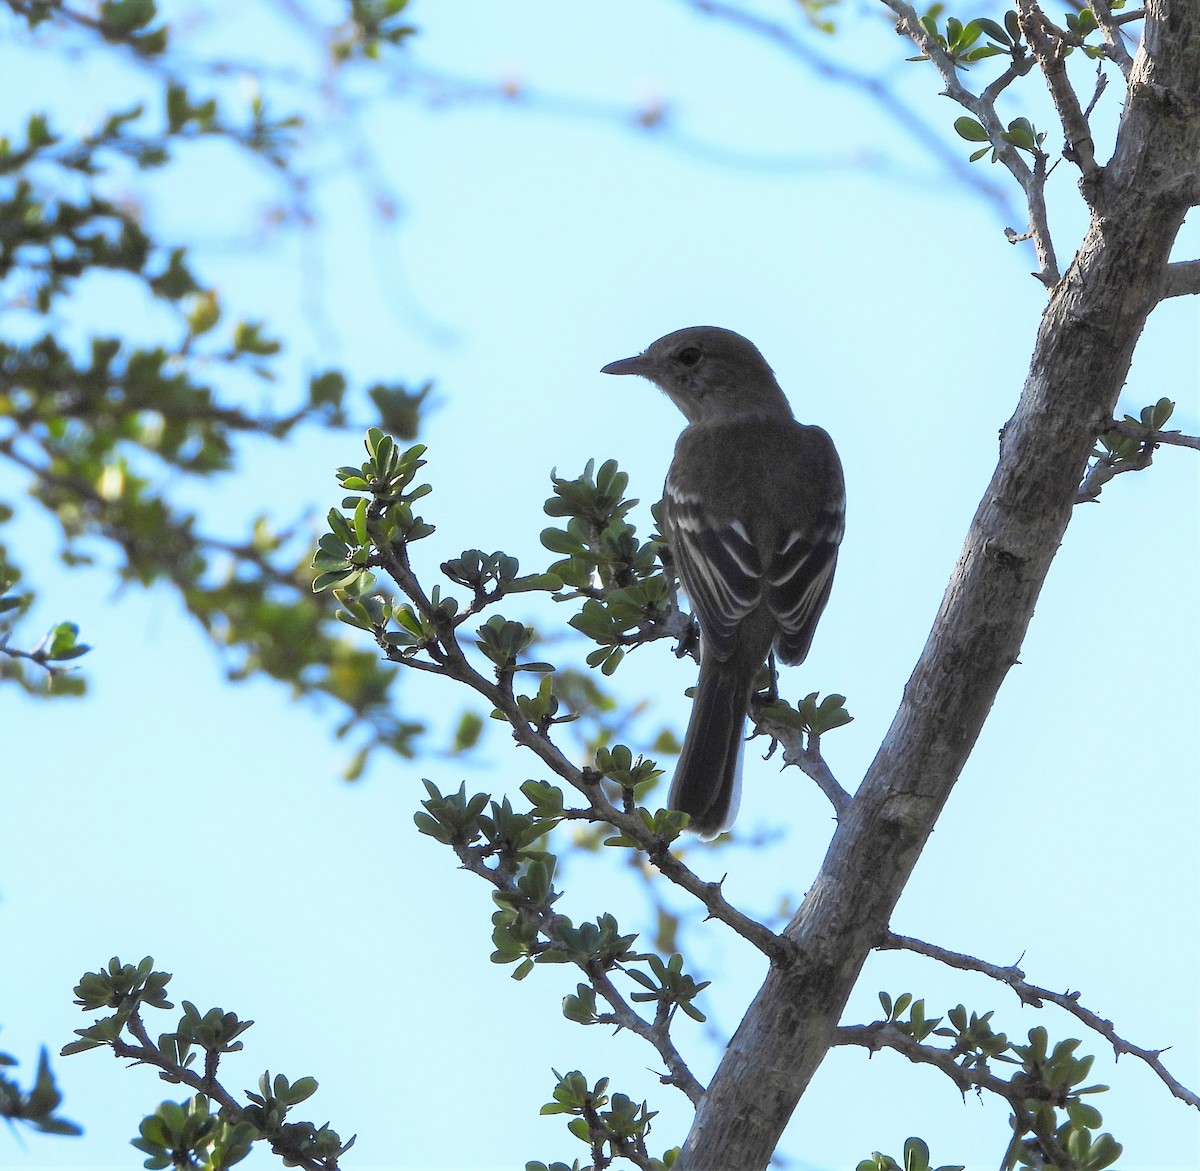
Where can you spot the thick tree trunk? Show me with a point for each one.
(1083, 352)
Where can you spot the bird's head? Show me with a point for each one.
(708, 373)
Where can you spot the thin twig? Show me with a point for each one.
(1101, 86)
(678, 1073)
(1106, 468)
(1110, 26)
(1051, 50)
(807, 757)
(1034, 995)
(147, 1053)
(1150, 435)
(1032, 180)
(622, 1015)
(455, 665)
(885, 1035)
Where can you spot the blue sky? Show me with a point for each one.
(532, 246)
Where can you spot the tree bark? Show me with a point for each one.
(1084, 347)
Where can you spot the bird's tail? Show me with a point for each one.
(708, 777)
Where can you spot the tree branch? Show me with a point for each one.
(807, 757)
(1050, 51)
(147, 1053)
(1107, 468)
(885, 1035)
(657, 1033)
(1032, 180)
(1151, 436)
(454, 663)
(1109, 465)
(1182, 279)
(1080, 361)
(1035, 996)
(1110, 26)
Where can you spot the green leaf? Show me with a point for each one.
(970, 129)
(993, 30)
(360, 521)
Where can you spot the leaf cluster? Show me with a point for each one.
(374, 531)
(372, 26)
(1020, 133)
(915, 1158)
(192, 1134)
(812, 715)
(59, 646)
(1052, 1124)
(507, 848)
(626, 593)
(36, 1107)
(380, 525)
(1117, 448)
(104, 430)
(613, 1125)
(960, 42)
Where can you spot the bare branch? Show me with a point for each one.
(1101, 86)
(1039, 223)
(774, 947)
(1034, 996)
(1109, 25)
(807, 757)
(1011, 975)
(1182, 279)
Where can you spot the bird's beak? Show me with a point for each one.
(635, 365)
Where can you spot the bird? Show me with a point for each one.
(753, 511)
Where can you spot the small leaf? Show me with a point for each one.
(970, 129)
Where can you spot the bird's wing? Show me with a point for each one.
(799, 579)
(718, 564)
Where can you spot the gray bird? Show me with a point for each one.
(754, 510)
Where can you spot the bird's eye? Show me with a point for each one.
(689, 356)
